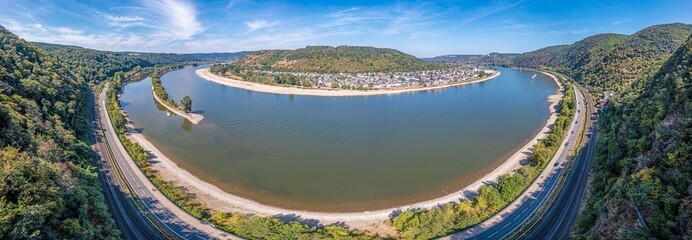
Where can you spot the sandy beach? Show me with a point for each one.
(194, 118)
(373, 221)
(258, 87)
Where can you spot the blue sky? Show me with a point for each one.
(425, 28)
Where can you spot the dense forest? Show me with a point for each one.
(610, 61)
(643, 161)
(96, 66)
(492, 59)
(341, 59)
(48, 183)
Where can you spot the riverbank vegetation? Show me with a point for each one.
(160, 91)
(453, 217)
(243, 225)
(186, 104)
(49, 186)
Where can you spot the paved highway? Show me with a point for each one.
(175, 220)
(557, 221)
(518, 212)
(131, 222)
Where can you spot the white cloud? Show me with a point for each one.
(123, 18)
(344, 12)
(181, 18)
(569, 31)
(65, 30)
(113, 41)
(259, 24)
(121, 21)
(294, 39)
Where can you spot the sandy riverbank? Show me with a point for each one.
(194, 118)
(258, 87)
(366, 220)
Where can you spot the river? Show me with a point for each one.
(343, 153)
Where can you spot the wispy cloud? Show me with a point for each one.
(618, 22)
(123, 18)
(417, 27)
(410, 20)
(71, 36)
(341, 13)
(180, 15)
(124, 21)
(284, 40)
(569, 31)
(496, 7)
(258, 24)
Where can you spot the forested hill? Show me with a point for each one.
(95, 65)
(610, 61)
(492, 59)
(644, 153)
(48, 184)
(346, 59)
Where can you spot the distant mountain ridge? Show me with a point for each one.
(610, 61)
(96, 65)
(494, 59)
(345, 59)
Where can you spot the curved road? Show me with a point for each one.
(174, 220)
(523, 208)
(131, 222)
(557, 221)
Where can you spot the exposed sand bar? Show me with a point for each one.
(194, 118)
(326, 92)
(218, 199)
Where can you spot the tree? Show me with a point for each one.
(186, 103)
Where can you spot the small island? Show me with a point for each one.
(184, 109)
(341, 71)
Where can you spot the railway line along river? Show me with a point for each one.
(342, 154)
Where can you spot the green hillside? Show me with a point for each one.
(644, 152)
(48, 183)
(539, 58)
(642, 54)
(94, 65)
(345, 59)
(586, 54)
(610, 61)
(492, 59)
